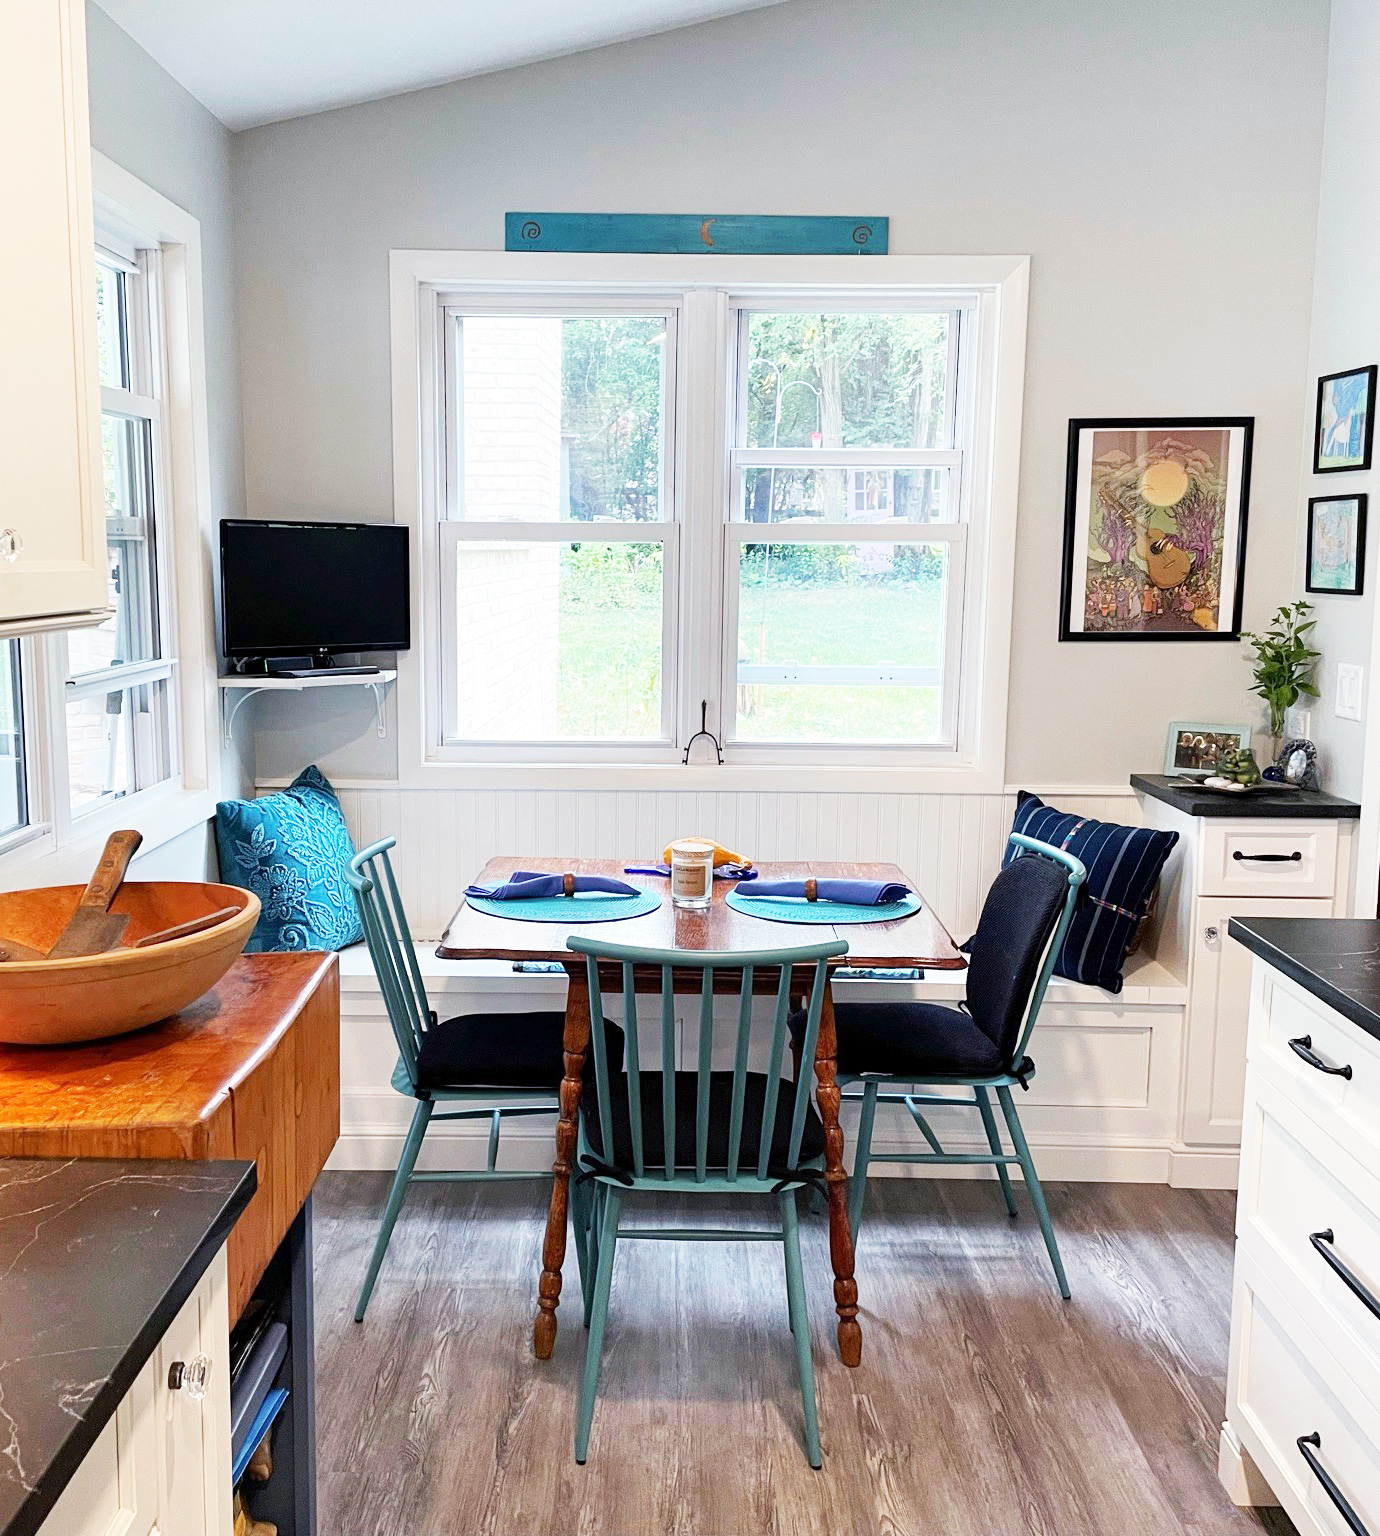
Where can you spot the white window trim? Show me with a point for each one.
(58, 847)
(419, 278)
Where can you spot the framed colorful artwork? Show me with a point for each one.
(1336, 544)
(1194, 748)
(1155, 528)
(1345, 431)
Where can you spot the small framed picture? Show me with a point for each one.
(1337, 544)
(1193, 746)
(1155, 528)
(1345, 431)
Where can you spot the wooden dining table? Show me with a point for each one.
(918, 940)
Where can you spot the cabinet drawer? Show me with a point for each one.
(1288, 1387)
(1268, 858)
(1337, 1083)
(1310, 1214)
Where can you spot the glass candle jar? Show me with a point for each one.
(692, 872)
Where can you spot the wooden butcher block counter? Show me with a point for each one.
(251, 1070)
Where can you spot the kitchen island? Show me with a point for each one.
(97, 1260)
(251, 1070)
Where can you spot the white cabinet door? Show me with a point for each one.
(52, 502)
(1218, 1009)
(193, 1465)
(161, 1466)
(115, 1490)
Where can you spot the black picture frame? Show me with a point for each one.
(1320, 468)
(1080, 424)
(1361, 500)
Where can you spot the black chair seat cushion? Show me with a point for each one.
(507, 1050)
(687, 1103)
(916, 1041)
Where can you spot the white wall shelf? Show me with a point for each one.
(245, 687)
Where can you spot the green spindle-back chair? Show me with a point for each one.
(475, 1060)
(982, 1047)
(704, 1131)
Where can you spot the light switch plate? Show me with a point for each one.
(1349, 680)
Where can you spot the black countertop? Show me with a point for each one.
(96, 1259)
(1296, 804)
(1337, 959)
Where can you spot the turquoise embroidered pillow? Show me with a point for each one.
(291, 850)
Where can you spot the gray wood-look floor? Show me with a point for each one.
(984, 1406)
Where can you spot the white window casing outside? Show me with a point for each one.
(826, 509)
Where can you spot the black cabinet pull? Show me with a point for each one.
(1367, 1298)
(1268, 858)
(1308, 1446)
(1303, 1046)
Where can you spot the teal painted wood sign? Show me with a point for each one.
(731, 234)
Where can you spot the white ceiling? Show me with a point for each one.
(256, 61)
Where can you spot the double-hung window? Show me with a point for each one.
(846, 536)
(659, 493)
(114, 725)
(558, 538)
(117, 677)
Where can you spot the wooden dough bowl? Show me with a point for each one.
(91, 997)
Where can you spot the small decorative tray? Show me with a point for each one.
(1265, 785)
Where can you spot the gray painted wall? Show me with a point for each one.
(1159, 161)
(1346, 334)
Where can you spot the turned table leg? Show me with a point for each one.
(575, 1043)
(840, 1234)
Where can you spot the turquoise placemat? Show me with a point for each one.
(584, 907)
(795, 909)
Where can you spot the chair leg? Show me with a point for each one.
(420, 1116)
(495, 1130)
(580, 1200)
(800, 1321)
(594, 1217)
(608, 1240)
(1032, 1183)
(989, 1121)
(857, 1189)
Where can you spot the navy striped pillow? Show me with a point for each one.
(1123, 864)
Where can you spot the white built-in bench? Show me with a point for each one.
(1103, 1105)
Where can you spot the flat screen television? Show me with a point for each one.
(313, 589)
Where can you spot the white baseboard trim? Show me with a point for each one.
(1200, 1169)
(377, 1146)
(1240, 1476)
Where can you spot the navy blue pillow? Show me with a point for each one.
(291, 850)
(1123, 864)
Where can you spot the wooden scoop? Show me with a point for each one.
(185, 930)
(93, 927)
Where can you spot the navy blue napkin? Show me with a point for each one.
(523, 884)
(858, 893)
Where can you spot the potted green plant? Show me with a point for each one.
(1284, 664)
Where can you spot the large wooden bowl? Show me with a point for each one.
(90, 997)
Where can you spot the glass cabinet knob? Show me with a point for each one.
(10, 545)
(192, 1376)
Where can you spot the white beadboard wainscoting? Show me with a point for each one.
(1103, 1106)
(950, 845)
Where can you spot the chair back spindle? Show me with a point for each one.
(694, 1156)
(370, 876)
